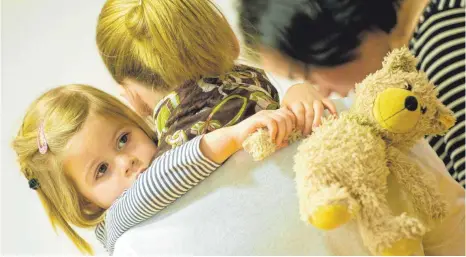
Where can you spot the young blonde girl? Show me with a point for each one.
(90, 159)
(184, 52)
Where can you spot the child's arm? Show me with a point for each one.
(222, 143)
(174, 173)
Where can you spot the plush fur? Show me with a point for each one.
(342, 168)
(260, 146)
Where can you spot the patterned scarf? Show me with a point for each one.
(199, 107)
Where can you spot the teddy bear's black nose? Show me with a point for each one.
(411, 103)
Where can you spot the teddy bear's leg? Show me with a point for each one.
(393, 237)
(418, 185)
(383, 233)
(327, 207)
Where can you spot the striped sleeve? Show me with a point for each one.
(439, 44)
(169, 177)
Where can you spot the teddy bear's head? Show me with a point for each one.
(399, 101)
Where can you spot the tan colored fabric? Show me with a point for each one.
(446, 239)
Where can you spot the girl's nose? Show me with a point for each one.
(128, 164)
(131, 168)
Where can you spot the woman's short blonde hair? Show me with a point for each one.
(164, 43)
(62, 112)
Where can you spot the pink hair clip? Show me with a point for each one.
(41, 141)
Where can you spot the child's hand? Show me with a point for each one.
(308, 106)
(220, 144)
(279, 124)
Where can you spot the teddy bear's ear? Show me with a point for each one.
(400, 60)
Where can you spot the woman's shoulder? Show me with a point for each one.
(241, 79)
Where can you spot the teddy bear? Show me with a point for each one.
(342, 168)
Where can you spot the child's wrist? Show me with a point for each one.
(232, 136)
(220, 144)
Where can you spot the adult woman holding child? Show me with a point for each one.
(175, 61)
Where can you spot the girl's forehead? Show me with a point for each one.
(96, 130)
(94, 140)
(109, 119)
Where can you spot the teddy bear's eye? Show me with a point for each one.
(408, 86)
(423, 110)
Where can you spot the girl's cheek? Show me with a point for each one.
(114, 188)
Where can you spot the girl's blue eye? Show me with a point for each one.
(101, 170)
(122, 141)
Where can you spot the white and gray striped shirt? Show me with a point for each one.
(168, 177)
(439, 45)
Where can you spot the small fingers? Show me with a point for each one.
(285, 144)
(289, 120)
(330, 105)
(300, 114)
(272, 127)
(309, 118)
(281, 124)
(318, 107)
(291, 117)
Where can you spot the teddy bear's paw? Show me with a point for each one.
(259, 145)
(329, 217)
(408, 227)
(329, 207)
(403, 247)
(399, 236)
(438, 210)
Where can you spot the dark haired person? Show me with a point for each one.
(335, 44)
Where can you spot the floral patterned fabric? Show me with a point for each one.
(198, 107)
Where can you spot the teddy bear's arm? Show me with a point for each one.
(418, 184)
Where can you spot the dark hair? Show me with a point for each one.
(315, 32)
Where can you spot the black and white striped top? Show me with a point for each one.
(168, 177)
(439, 44)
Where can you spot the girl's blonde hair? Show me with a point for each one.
(164, 43)
(63, 111)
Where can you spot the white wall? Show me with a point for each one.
(45, 43)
